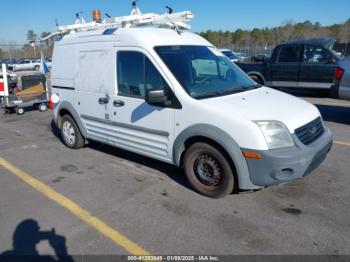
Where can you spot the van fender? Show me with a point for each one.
(69, 107)
(225, 141)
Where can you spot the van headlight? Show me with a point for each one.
(276, 134)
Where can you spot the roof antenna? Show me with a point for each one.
(106, 14)
(79, 19)
(134, 9)
(170, 10)
(56, 22)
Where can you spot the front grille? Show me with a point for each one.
(310, 132)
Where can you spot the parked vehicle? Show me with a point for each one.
(242, 56)
(234, 57)
(11, 79)
(33, 94)
(299, 64)
(169, 94)
(341, 87)
(259, 58)
(26, 64)
(47, 61)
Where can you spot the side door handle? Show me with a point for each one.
(118, 103)
(103, 100)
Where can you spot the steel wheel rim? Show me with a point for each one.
(68, 132)
(208, 171)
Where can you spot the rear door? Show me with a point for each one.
(317, 67)
(95, 86)
(136, 125)
(285, 68)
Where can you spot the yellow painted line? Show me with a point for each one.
(74, 208)
(341, 143)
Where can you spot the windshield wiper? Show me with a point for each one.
(236, 90)
(207, 94)
(225, 92)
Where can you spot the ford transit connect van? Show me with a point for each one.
(171, 95)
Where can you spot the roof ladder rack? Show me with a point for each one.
(135, 19)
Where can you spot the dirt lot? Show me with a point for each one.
(150, 204)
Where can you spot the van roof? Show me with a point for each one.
(135, 36)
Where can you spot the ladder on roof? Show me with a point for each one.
(136, 18)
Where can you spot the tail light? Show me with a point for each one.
(1, 85)
(338, 74)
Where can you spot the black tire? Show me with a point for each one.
(19, 110)
(43, 107)
(257, 79)
(203, 160)
(36, 68)
(67, 123)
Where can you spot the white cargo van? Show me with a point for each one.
(168, 94)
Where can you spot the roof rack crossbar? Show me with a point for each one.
(173, 20)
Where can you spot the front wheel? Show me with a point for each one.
(208, 171)
(70, 133)
(19, 110)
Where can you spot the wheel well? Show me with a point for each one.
(62, 113)
(258, 77)
(190, 141)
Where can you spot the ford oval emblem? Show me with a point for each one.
(313, 130)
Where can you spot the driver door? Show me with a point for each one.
(138, 126)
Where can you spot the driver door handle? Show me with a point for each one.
(118, 103)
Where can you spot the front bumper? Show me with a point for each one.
(283, 165)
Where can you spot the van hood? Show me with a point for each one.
(267, 104)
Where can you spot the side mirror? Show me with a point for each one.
(156, 97)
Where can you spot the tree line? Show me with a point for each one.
(257, 37)
(288, 31)
(12, 50)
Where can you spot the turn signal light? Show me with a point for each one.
(248, 154)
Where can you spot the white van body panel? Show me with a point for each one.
(267, 104)
(84, 71)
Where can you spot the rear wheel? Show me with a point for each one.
(70, 133)
(36, 68)
(208, 170)
(42, 107)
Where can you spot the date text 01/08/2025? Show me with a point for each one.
(173, 258)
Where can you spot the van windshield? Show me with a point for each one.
(204, 72)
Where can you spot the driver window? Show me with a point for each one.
(136, 74)
(153, 79)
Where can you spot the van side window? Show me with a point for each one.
(130, 73)
(136, 73)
